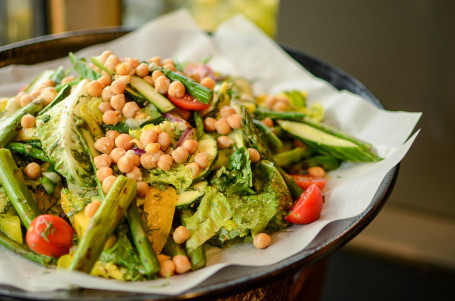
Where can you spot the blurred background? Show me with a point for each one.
(403, 51)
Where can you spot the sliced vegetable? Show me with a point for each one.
(25, 252)
(149, 93)
(308, 206)
(188, 102)
(306, 181)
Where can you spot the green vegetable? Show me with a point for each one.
(28, 150)
(135, 96)
(261, 113)
(102, 225)
(44, 76)
(327, 162)
(13, 184)
(57, 129)
(120, 127)
(25, 252)
(145, 250)
(12, 123)
(330, 141)
(8, 106)
(178, 176)
(63, 93)
(59, 75)
(293, 156)
(270, 136)
(198, 91)
(197, 256)
(297, 99)
(149, 93)
(81, 66)
(171, 248)
(199, 124)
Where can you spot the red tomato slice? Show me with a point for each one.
(305, 181)
(50, 235)
(308, 206)
(188, 102)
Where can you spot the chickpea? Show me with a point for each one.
(112, 117)
(35, 94)
(156, 74)
(316, 171)
(91, 208)
(94, 88)
(148, 137)
(103, 160)
(103, 173)
(202, 159)
(45, 84)
(142, 70)
(162, 257)
(181, 234)
(165, 162)
(254, 155)
(148, 162)
(123, 68)
(107, 183)
(194, 169)
(182, 264)
(142, 188)
(112, 61)
(222, 126)
(180, 155)
(268, 122)
(270, 101)
(130, 109)
(25, 99)
(162, 84)
(32, 170)
(261, 240)
(135, 174)
(105, 106)
(118, 87)
(208, 82)
(152, 148)
(190, 145)
(28, 121)
(235, 121)
(280, 106)
(125, 164)
(226, 111)
(18, 97)
(195, 76)
(112, 134)
(67, 79)
(117, 153)
(136, 158)
(107, 93)
(103, 57)
(164, 140)
(209, 124)
(155, 59)
(48, 94)
(168, 61)
(124, 141)
(176, 89)
(167, 268)
(224, 142)
(134, 62)
(118, 102)
(104, 81)
(104, 145)
(148, 79)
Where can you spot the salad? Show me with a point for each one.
(127, 169)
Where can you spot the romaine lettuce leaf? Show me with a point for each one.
(179, 176)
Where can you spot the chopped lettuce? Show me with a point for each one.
(179, 176)
(57, 130)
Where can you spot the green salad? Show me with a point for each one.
(128, 169)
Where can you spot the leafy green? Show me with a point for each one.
(178, 176)
(57, 130)
(81, 66)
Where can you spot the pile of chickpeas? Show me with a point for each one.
(278, 103)
(229, 120)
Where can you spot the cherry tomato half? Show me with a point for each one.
(308, 206)
(305, 181)
(50, 235)
(188, 102)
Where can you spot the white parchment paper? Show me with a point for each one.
(237, 47)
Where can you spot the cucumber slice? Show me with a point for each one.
(208, 145)
(132, 94)
(327, 140)
(148, 92)
(187, 198)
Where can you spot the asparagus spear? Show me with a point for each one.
(145, 250)
(171, 248)
(198, 91)
(196, 256)
(271, 137)
(13, 184)
(10, 125)
(28, 150)
(103, 224)
(199, 124)
(262, 113)
(291, 157)
(25, 252)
